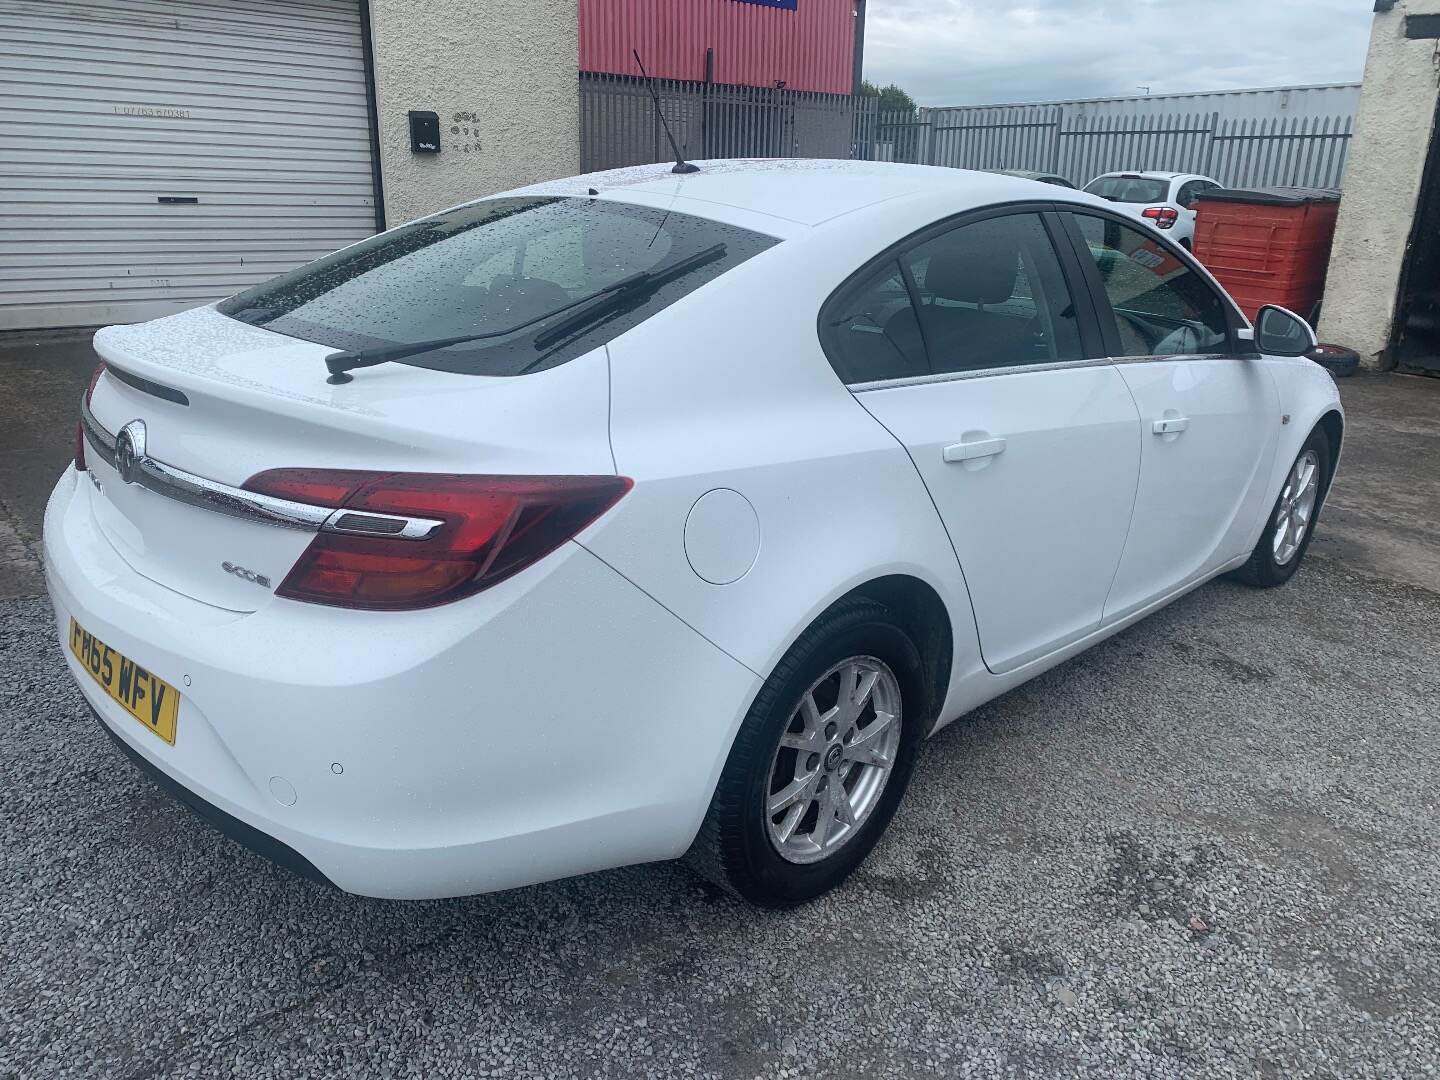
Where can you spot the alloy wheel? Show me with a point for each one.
(833, 759)
(1296, 512)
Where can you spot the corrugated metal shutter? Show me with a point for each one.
(810, 47)
(255, 109)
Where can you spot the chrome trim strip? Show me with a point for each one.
(186, 487)
(1019, 369)
(223, 499)
(1170, 359)
(978, 373)
(386, 525)
(102, 440)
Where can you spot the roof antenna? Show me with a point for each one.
(681, 165)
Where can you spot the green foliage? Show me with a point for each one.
(892, 98)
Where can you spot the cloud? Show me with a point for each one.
(965, 52)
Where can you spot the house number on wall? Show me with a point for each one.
(465, 132)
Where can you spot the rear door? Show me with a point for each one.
(1209, 416)
(1027, 442)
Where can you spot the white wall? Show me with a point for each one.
(1382, 184)
(502, 74)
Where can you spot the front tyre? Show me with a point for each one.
(1291, 527)
(820, 762)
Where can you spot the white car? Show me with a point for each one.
(640, 515)
(1163, 199)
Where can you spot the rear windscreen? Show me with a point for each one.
(546, 278)
(1125, 189)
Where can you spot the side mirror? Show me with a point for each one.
(1282, 333)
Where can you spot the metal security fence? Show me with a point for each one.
(1308, 151)
(1301, 152)
(619, 127)
(1079, 141)
(1089, 147)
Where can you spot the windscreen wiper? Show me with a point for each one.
(340, 364)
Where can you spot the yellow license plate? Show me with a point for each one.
(143, 694)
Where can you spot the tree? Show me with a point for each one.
(892, 98)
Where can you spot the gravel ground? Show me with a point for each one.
(1205, 848)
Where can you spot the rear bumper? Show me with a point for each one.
(559, 723)
(251, 837)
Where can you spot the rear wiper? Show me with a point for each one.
(623, 292)
(340, 364)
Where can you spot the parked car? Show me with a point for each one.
(1162, 199)
(637, 516)
(1039, 177)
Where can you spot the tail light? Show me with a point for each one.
(1164, 217)
(491, 528)
(80, 428)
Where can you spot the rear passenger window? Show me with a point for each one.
(872, 334)
(992, 295)
(1162, 307)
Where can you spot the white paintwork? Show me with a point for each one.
(1197, 495)
(722, 536)
(578, 715)
(1040, 527)
(482, 748)
(1183, 231)
(257, 110)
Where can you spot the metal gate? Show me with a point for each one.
(157, 154)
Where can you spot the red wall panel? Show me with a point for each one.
(811, 48)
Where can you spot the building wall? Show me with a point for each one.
(811, 47)
(1382, 184)
(501, 74)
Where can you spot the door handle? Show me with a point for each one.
(1173, 426)
(972, 451)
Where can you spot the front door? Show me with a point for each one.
(1029, 449)
(1209, 417)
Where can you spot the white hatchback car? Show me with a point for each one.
(1163, 199)
(637, 515)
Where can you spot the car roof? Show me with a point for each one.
(807, 191)
(1151, 174)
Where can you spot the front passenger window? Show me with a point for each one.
(1162, 307)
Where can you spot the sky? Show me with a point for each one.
(972, 52)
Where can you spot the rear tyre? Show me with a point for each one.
(820, 763)
(1291, 527)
